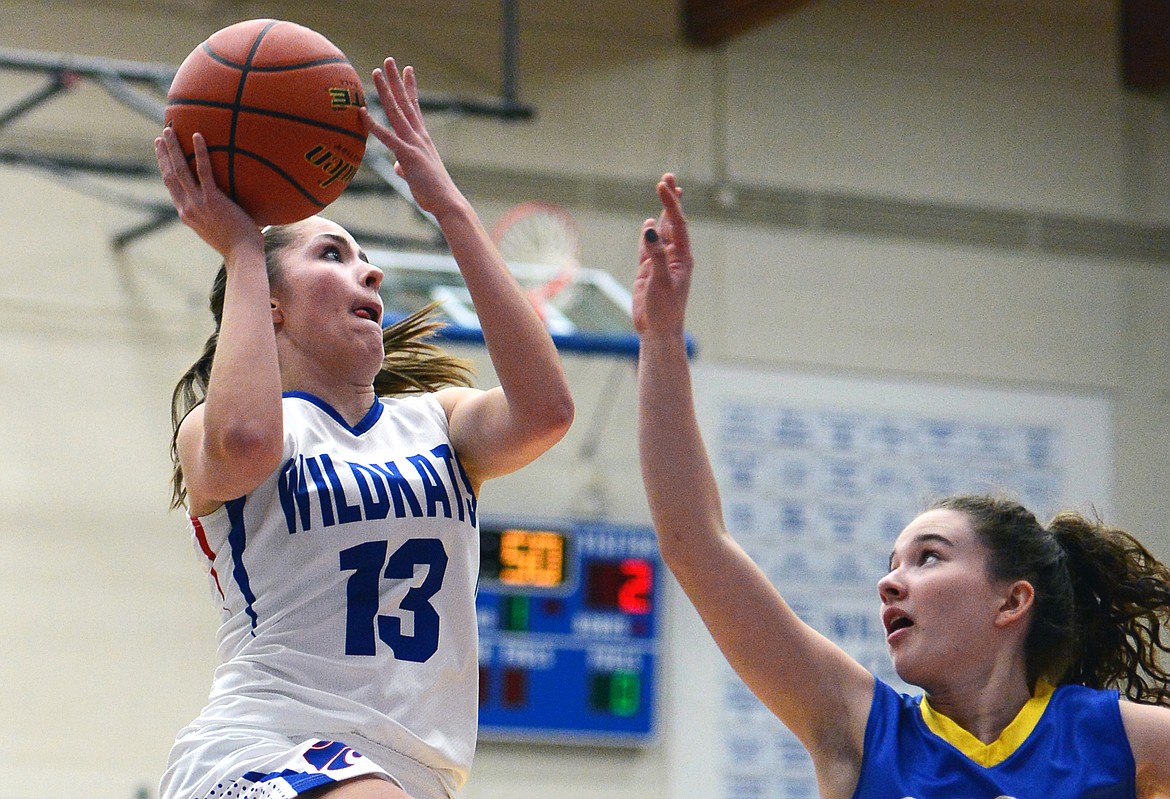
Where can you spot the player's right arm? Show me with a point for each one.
(231, 442)
(502, 429)
(813, 686)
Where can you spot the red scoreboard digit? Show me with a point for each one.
(626, 585)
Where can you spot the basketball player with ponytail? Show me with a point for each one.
(1040, 648)
(331, 471)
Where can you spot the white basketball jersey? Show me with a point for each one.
(347, 582)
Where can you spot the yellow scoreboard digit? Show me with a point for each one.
(531, 557)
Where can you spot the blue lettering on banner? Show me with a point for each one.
(317, 489)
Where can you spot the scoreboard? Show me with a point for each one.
(568, 632)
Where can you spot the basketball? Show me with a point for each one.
(278, 105)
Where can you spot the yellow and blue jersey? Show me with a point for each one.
(1067, 742)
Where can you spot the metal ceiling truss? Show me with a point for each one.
(143, 86)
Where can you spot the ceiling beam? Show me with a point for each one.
(708, 23)
(1145, 44)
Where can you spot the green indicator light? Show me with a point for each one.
(515, 611)
(624, 689)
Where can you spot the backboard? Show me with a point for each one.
(590, 314)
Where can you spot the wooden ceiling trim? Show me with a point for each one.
(708, 23)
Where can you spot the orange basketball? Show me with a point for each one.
(278, 105)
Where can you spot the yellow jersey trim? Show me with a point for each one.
(999, 750)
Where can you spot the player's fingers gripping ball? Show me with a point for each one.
(278, 105)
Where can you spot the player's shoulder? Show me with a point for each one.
(450, 397)
(1148, 729)
(427, 404)
(1147, 723)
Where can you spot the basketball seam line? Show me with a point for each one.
(237, 108)
(231, 153)
(282, 68)
(274, 167)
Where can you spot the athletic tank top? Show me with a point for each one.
(1076, 750)
(346, 583)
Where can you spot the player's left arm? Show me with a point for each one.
(1148, 730)
(500, 430)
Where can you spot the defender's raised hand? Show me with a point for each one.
(665, 265)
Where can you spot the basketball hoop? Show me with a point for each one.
(541, 233)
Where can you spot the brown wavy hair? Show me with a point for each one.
(413, 363)
(1102, 599)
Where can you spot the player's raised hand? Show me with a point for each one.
(418, 160)
(202, 206)
(665, 265)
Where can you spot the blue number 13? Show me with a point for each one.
(366, 561)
